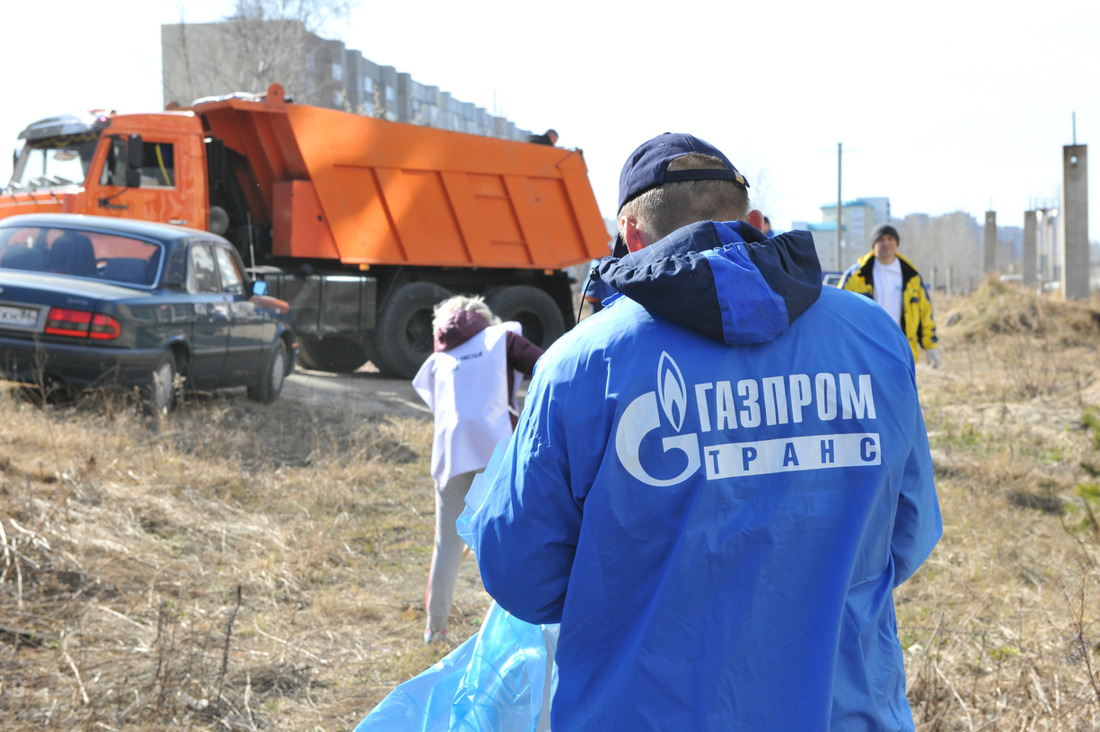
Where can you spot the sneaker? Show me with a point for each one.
(435, 636)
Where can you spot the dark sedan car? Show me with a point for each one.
(88, 301)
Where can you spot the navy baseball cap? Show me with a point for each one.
(647, 167)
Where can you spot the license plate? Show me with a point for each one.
(16, 317)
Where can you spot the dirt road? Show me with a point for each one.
(366, 391)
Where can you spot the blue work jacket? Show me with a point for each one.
(715, 485)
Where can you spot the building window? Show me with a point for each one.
(337, 72)
(368, 85)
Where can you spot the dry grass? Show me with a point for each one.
(1000, 626)
(239, 567)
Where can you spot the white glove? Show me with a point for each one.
(934, 357)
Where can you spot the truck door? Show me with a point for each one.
(141, 180)
(212, 325)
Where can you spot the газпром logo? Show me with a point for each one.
(727, 407)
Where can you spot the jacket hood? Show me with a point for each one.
(727, 281)
(459, 327)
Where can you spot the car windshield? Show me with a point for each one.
(53, 161)
(80, 253)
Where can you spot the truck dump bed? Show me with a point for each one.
(366, 191)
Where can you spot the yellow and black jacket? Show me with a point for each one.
(916, 308)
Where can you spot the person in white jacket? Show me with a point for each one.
(469, 383)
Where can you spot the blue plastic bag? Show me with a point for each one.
(502, 679)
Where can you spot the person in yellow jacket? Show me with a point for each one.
(893, 282)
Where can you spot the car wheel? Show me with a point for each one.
(160, 393)
(533, 309)
(271, 383)
(403, 340)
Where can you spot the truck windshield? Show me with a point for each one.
(54, 161)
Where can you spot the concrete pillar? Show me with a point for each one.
(1031, 231)
(1075, 222)
(989, 243)
(1049, 225)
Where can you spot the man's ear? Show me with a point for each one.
(755, 219)
(632, 235)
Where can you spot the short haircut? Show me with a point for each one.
(474, 303)
(664, 209)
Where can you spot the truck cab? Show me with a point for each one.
(137, 166)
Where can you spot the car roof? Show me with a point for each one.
(132, 227)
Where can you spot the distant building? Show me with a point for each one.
(859, 217)
(824, 234)
(215, 59)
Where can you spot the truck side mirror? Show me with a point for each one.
(135, 156)
(259, 288)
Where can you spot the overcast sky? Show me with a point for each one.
(940, 107)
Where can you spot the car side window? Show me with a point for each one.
(232, 280)
(203, 273)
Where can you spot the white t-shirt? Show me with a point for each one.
(887, 284)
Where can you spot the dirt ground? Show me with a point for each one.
(365, 392)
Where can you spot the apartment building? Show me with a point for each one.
(215, 59)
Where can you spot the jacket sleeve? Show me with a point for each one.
(927, 325)
(526, 530)
(917, 524)
(522, 353)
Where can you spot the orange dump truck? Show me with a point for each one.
(361, 224)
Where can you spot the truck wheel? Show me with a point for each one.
(271, 381)
(404, 336)
(331, 353)
(532, 308)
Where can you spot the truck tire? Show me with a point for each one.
(403, 340)
(335, 354)
(532, 308)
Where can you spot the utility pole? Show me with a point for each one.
(839, 204)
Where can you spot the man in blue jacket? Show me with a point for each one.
(718, 480)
